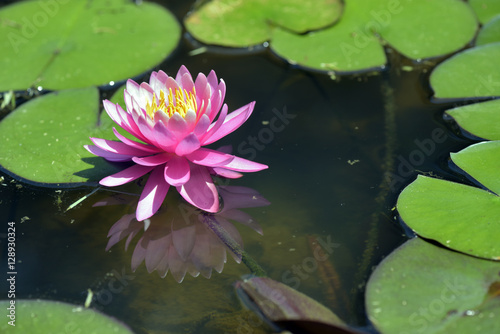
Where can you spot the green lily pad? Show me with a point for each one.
(417, 29)
(237, 23)
(45, 316)
(480, 119)
(460, 217)
(422, 288)
(485, 9)
(490, 32)
(119, 97)
(75, 44)
(481, 161)
(42, 140)
(471, 73)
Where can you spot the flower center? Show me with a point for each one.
(178, 101)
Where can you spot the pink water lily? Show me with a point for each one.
(174, 119)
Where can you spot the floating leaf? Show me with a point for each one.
(74, 44)
(480, 119)
(42, 140)
(287, 308)
(239, 23)
(471, 73)
(460, 217)
(417, 29)
(490, 32)
(481, 161)
(422, 288)
(485, 9)
(45, 316)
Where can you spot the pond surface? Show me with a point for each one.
(339, 152)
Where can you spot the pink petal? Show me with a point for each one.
(153, 194)
(202, 126)
(146, 94)
(177, 171)
(189, 144)
(125, 176)
(133, 88)
(200, 190)
(158, 80)
(182, 71)
(212, 81)
(117, 147)
(243, 165)
(171, 84)
(208, 157)
(164, 138)
(213, 106)
(214, 127)
(107, 155)
(146, 125)
(186, 82)
(177, 125)
(201, 85)
(140, 146)
(233, 121)
(129, 119)
(114, 114)
(229, 174)
(152, 160)
(161, 116)
(190, 118)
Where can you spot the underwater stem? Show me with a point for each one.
(224, 236)
(384, 187)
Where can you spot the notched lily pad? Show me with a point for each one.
(237, 23)
(490, 32)
(417, 29)
(470, 74)
(42, 140)
(460, 217)
(45, 316)
(480, 119)
(422, 288)
(79, 43)
(485, 9)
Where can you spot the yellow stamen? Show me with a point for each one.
(181, 103)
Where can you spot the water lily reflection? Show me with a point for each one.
(176, 239)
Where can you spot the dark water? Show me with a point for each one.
(327, 153)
